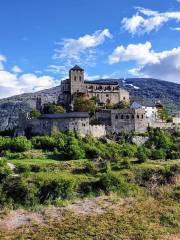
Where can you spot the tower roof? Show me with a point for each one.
(76, 67)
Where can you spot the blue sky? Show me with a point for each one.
(41, 39)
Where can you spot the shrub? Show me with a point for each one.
(110, 182)
(56, 188)
(19, 144)
(44, 142)
(158, 154)
(5, 170)
(21, 191)
(128, 150)
(176, 193)
(141, 154)
(90, 167)
(92, 151)
(73, 150)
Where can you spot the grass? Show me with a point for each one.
(152, 213)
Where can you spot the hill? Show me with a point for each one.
(142, 90)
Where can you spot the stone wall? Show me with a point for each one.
(127, 120)
(104, 117)
(46, 126)
(97, 131)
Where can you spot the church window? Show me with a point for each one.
(122, 117)
(80, 78)
(142, 116)
(127, 116)
(116, 117)
(137, 116)
(74, 78)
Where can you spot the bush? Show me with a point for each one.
(52, 189)
(141, 154)
(19, 144)
(110, 182)
(158, 154)
(128, 150)
(44, 142)
(73, 150)
(5, 171)
(92, 151)
(176, 193)
(21, 191)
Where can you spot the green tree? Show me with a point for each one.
(141, 154)
(35, 113)
(73, 150)
(52, 108)
(82, 104)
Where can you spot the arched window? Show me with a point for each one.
(132, 116)
(124, 98)
(138, 116)
(74, 78)
(116, 117)
(80, 78)
(142, 116)
(122, 117)
(127, 116)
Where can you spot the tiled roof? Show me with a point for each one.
(65, 115)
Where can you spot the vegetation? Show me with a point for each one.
(64, 167)
(52, 108)
(82, 104)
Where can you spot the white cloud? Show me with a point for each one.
(16, 69)
(164, 65)
(176, 29)
(140, 53)
(2, 60)
(57, 69)
(12, 84)
(83, 49)
(146, 20)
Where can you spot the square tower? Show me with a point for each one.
(76, 77)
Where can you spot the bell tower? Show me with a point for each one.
(76, 77)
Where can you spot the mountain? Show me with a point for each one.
(143, 90)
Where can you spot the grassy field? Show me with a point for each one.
(143, 206)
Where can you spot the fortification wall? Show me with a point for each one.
(97, 130)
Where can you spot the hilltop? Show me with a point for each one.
(143, 90)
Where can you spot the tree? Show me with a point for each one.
(82, 104)
(35, 113)
(52, 108)
(141, 154)
(163, 114)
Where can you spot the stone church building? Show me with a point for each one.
(105, 92)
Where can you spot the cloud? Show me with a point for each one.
(12, 84)
(176, 29)
(146, 20)
(57, 69)
(2, 60)
(164, 65)
(140, 53)
(16, 69)
(82, 49)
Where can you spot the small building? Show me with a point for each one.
(47, 123)
(128, 120)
